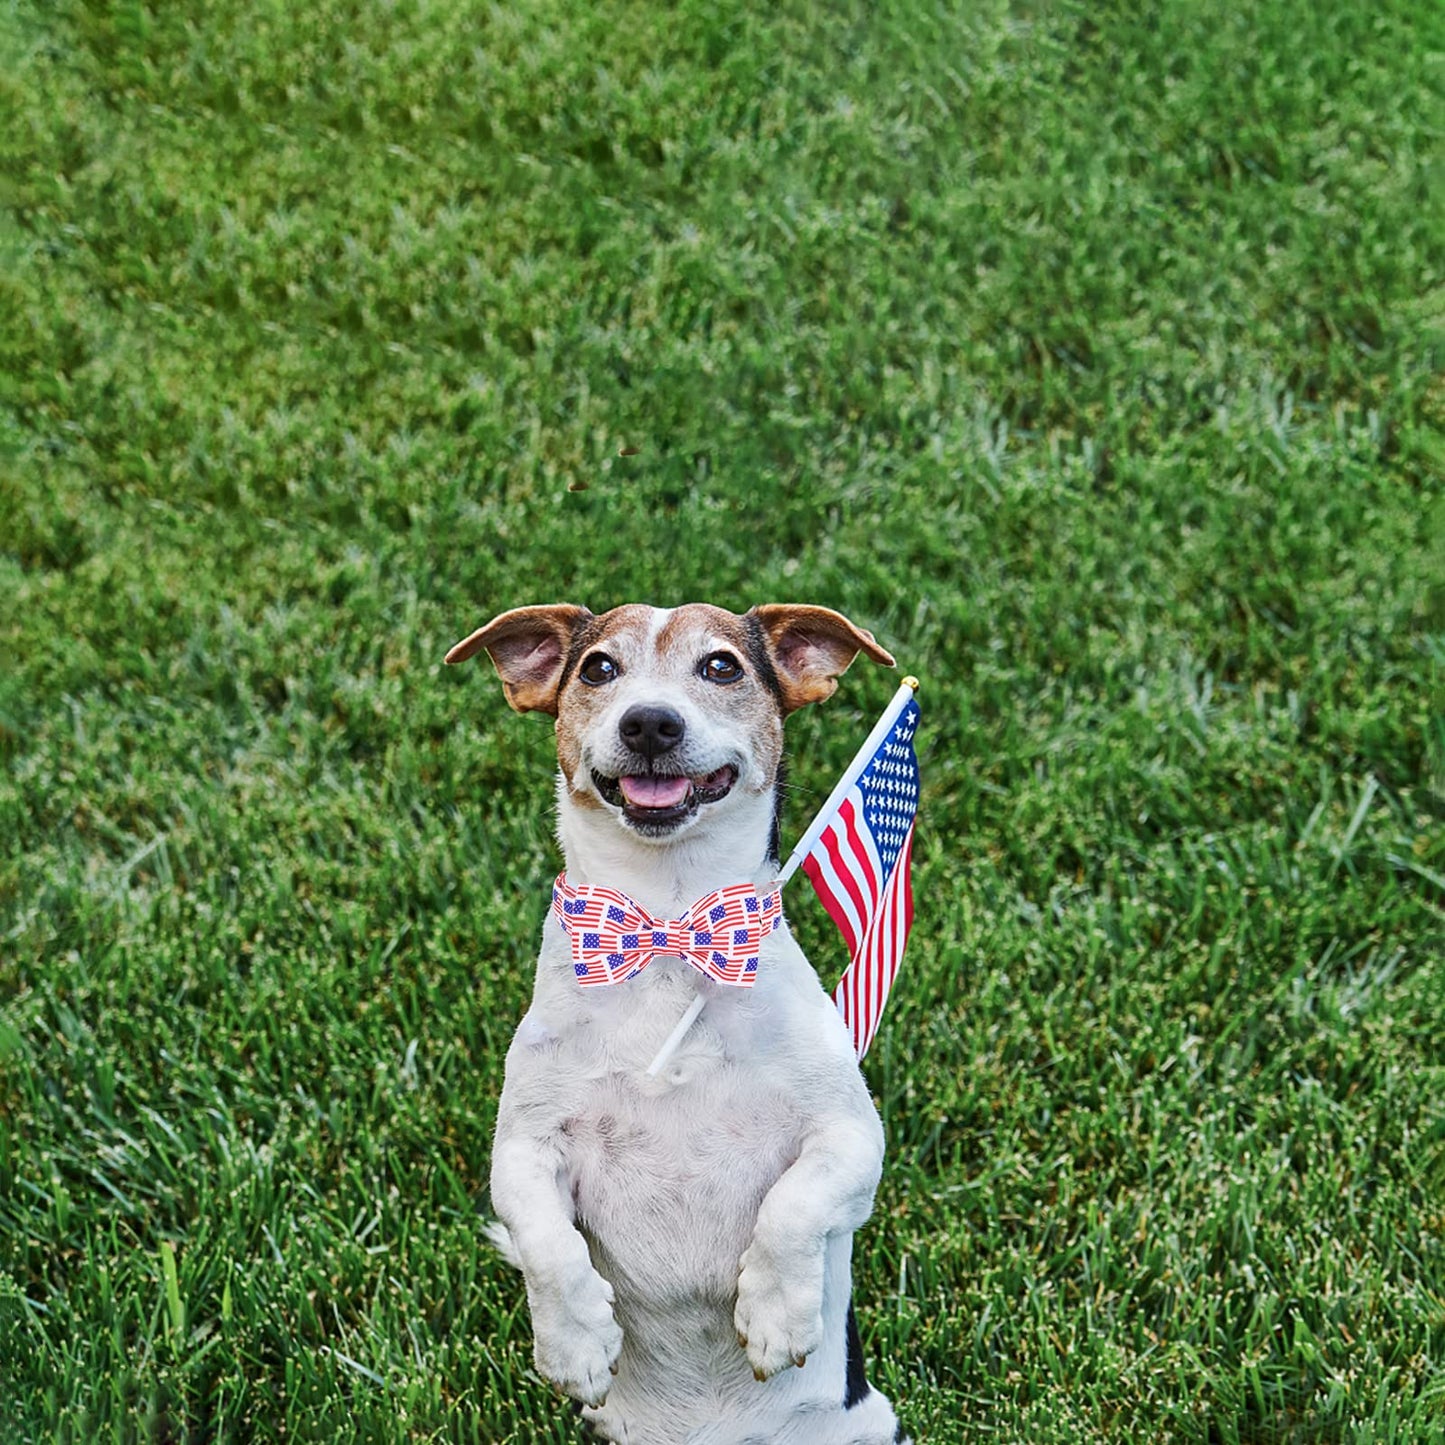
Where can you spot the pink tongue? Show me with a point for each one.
(654, 792)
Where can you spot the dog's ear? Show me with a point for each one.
(529, 646)
(810, 648)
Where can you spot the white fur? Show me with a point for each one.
(656, 1220)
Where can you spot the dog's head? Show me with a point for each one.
(666, 717)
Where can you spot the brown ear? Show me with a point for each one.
(811, 648)
(529, 647)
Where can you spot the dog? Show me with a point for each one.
(686, 1238)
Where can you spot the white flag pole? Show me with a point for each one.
(675, 1037)
(814, 831)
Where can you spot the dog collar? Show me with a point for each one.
(614, 938)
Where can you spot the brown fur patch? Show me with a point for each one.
(696, 618)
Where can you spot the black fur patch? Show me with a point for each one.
(775, 831)
(587, 634)
(761, 658)
(856, 1387)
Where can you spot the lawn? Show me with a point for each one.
(1092, 360)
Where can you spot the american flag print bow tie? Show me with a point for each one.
(614, 938)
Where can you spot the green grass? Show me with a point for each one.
(1093, 362)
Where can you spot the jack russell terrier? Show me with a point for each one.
(686, 1239)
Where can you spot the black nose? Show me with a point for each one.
(651, 731)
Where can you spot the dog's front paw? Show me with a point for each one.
(576, 1340)
(779, 1316)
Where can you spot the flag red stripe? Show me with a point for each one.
(863, 990)
(867, 1008)
(849, 818)
(833, 898)
(834, 875)
(846, 874)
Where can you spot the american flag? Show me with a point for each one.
(861, 868)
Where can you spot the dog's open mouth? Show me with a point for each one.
(661, 800)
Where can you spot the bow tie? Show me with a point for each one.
(614, 937)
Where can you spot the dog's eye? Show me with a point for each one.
(720, 667)
(597, 669)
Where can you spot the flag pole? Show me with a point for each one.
(851, 774)
(675, 1037)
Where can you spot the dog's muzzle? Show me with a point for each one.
(656, 802)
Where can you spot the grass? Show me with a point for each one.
(1092, 360)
